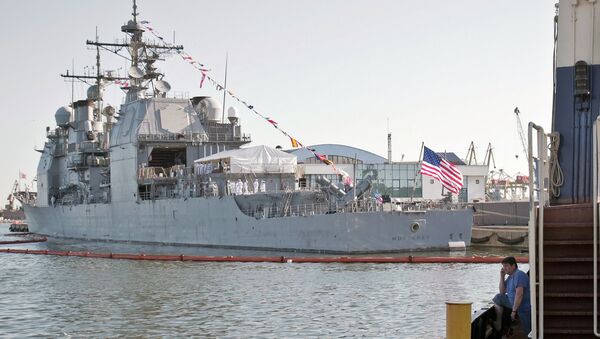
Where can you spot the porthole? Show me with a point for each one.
(414, 227)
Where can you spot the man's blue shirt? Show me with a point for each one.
(518, 279)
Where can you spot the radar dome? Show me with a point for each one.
(93, 93)
(210, 108)
(63, 116)
(232, 112)
(132, 27)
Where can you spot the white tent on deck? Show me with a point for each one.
(257, 159)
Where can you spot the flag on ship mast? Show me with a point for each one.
(295, 142)
(442, 170)
(22, 175)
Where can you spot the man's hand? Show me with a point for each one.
(502, 272)
(513, 315)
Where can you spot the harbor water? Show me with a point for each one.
(72, 297)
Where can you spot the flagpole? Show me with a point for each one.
(445, 158)
(417, 171)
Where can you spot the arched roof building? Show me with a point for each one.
(339, 154)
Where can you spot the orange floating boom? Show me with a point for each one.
(280, 259)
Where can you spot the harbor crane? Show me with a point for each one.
(489, 156)
(521, 132)
(471, 158)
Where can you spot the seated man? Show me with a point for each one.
(514, 294)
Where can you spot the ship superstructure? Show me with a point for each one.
(171, 170)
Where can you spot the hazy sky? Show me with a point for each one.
(443, 72)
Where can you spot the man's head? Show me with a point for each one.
(510, 265)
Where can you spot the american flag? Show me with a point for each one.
(440, 169)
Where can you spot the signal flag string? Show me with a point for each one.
(205, 76)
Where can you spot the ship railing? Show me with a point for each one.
(56, 133)
(215, 166)
(159, 175)
(180, 95)
(296, 210)
(538, 165)
(52, 134)
(174, 137)
(595, 198)
(159, 195)
(91, 146)
(228, 137)
(311, 209)
(430, 205)
(145, 173)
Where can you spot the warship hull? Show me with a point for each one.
(220, 223)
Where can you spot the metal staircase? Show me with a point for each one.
(562, 254)
(568, 297)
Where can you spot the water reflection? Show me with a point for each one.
(48, 296)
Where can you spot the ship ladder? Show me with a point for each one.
(287, 202)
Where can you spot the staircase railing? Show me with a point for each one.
(595, 218)
(537, 184)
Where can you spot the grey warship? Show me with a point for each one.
(170, 170)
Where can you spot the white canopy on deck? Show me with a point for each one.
(257, 159)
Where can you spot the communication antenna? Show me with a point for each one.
(136, 75)
(72, 84)
(135, 13)
(162, 86)
(98, 79)
(224, 88)
(135, 72)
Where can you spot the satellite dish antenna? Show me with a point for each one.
(135, 72)
(162, 86)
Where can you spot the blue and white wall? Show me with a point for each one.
(578, 40)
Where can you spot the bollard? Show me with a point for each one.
(458, 320)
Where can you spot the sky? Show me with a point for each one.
(339, 71)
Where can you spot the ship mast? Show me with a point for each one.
(142, 55)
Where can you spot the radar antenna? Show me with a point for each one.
(135, 13)
(142, 55)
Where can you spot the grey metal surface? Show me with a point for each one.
(509, 213)
(219, 222)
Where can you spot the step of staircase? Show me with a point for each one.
(567, 231)
(575, 303)
(574, 320)
(568, 334)
(579, 213)
(568, 248)
(568, 266)
(582, 283)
